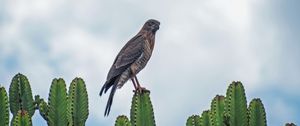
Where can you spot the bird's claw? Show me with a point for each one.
(140, 90)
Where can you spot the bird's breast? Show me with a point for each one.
(142, 61)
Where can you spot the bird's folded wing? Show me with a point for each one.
(128, 54)
(131, 52)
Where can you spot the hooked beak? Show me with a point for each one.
(155, 28)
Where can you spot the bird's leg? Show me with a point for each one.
(138, 85)
(134, 84)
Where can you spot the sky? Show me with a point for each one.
(201, 47)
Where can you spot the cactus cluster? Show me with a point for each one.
(232, 110)
(70, 108)
(66, 108)
(63, 108)
(141, 112)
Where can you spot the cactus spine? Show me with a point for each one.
(141, 113)
(193, 120)
(257, 114)
(20, 95)
(78, 102)
(236, 104)
(122, 120)
(217, 111)
(4, 111)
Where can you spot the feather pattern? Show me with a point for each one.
(132, 58)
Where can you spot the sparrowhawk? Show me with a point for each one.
(132, 58)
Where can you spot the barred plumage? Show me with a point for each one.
(132, 58)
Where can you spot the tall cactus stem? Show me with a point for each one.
(217, 111)
(236, 105)
(58, 104)
(78, 98)
(20, 95)
(193, 120)
(204, 119)
(141, 113)
(257, 114)
(4, 110)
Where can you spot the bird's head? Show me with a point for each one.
(151, 25)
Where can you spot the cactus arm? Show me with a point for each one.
(122, 120)
(236, 105)
(257, 114)
(141, 113)
(4, 111)
(58, 104)
(44, 109)
(78, 98)
(193, 120)
(217, 111)
(204, 119)
(22, 119)
(20, 95)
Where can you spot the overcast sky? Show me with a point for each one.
(201, 47)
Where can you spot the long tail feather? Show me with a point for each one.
(107, 85)
(110, 83)
(110, 100)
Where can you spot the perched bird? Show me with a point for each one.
(132, 58)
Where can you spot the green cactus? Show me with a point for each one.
(78, 102)
(57, 109)
(4, 110)
(217, 111)
(65, 109)
(193, 120)
(122, 120)
(236, 105)
(141, 113)
(257, 114)
(204, 119)
(22, 118)
(20, 95)
(44, 109)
